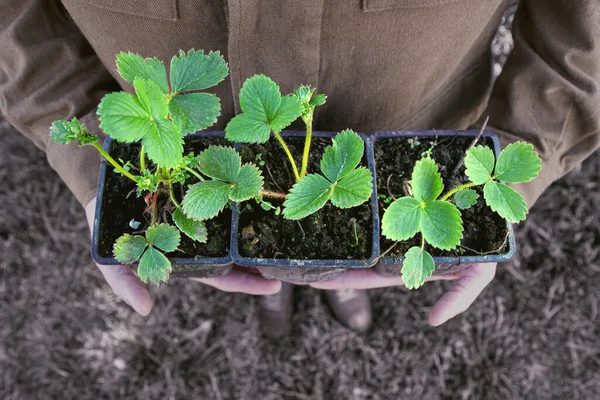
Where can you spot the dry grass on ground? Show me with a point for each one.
(534, 333)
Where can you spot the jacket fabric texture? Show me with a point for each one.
(384, 65)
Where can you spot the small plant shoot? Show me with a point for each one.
(437, 218)
(163, 110)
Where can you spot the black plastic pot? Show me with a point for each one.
(444, 265)
(182, 267)
(296, 270)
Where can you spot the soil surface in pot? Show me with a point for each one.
(327, 234)
(484, 230)
(120, 205)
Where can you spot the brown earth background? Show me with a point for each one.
(533, 334)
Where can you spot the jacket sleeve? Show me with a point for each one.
(549, 90)
(48, 71)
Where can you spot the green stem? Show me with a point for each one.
(197, 175)
(267, 193)
(142, 159)
(113, 162)
(289, 154)
(173, 195)
(461, 187)
(308, 122)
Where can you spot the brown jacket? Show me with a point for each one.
(385, 64)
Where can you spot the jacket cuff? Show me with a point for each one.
(78, 166)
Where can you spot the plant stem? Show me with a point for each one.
(154, 209)
(267, 193)
(142, 159)
(173, 194)
(113, 162)
(197, 175)
(308, 122)
(461, 187)
(289, 154)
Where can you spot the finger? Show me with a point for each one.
(242, 282)
(128, 287)
(368, 279)
(471, 282)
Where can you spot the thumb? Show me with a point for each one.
(471, 282)
(128, 287)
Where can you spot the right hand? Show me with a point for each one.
(128, 287)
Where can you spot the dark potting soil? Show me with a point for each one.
(120, 205)
(484, 230)
(327, 234)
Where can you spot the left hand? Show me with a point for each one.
(470, 283)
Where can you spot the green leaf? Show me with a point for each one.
(263, 109)
(195, 230)
(197, 71)
(248, 185)
(518, 162)
(426, 182)
(127, 249)
(163, 143)
(417, 266)
(123, 117)
(195, 111)
(164, 236)
(154, 266)
(243, 129)
(60, 133)
(401, 219)
(288, 111)
(465, 198)
(353, 189)
(307, 196)
(131, 66)
(343, 155)
(318, 100)
(205, 200)
(151, 98)
(222, 163)
(441, 224)
(479, 163)
(505, 201)
(260, 98)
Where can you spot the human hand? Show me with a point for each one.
(128, 287)
(470, 283)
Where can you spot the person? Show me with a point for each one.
(385, 64)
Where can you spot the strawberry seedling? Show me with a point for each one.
(438, 218)
(266, 111)
(159, 116)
